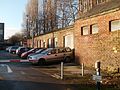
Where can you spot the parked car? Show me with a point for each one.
(13, 49)
(20, 50)
(24, 55)
(52, 55)
(7, 49)
(37, 52)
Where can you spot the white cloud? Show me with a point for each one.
(10, 31)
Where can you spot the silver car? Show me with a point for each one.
(51, 55)
(13, 49)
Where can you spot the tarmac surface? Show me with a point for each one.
(72, 73)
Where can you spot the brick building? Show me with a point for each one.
(94, 36)
(60, 38)
(97, 36)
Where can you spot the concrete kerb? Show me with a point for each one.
(13, 60)
(3, 61)
(70, 71)
(56, 76)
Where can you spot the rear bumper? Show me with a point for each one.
(12, 51)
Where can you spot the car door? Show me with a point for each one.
(60, 54)
(52, 55)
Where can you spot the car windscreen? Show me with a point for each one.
(14, 47)
(31, 50)
(40, 50)
(46, 51)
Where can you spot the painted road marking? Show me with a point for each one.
(4, 68)
(23, 72)
(13, 60)
(9, 69)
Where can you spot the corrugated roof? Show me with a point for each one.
(113, 4)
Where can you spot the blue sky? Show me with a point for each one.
(11, 13)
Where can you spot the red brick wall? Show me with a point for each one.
(93, 47)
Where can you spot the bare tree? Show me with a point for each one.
(30, 17)
(16, 38)
(49, 15)
(66, 12)
(86, 5)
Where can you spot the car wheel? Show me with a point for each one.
(67, 59)
(41, 62)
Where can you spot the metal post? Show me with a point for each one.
(82, 69)
(26, 34)
(98, 74)
(62, 70)
(33, 38)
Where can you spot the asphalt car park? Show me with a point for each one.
(72, 73)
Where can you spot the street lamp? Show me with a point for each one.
(33, 32)
(27, 25)
(26, 33)
(33, 37)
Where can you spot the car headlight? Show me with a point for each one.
(33, 58)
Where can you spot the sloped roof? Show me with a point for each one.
(113, 4)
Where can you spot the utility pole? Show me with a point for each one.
(33, 38)
(33, 33)
(98, 75)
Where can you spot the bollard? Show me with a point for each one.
(82, 69)
(62, 70)
(97, 66)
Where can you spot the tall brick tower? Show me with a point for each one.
(1, 32)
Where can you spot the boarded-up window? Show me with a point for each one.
(84, 30)
(69, 41)
(94, 29)
(37, 43)
(44, 44)
(49, 43)
(41, 43)
(114, 25)
(56, 42)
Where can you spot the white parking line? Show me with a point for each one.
(9, 69)
(6, 68)
(54, 75)
(2, 61)
(22, 72)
